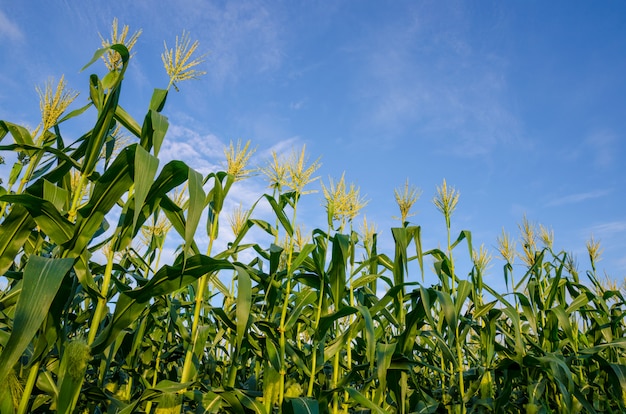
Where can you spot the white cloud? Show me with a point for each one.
(297, 105)
(203, 153)
(608, 229)
(8, 29)
(577, 198)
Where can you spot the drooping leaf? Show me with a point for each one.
(14, 232)
(300, 405)
(45, 214)
(42, 278)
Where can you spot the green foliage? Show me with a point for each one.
(91, 321)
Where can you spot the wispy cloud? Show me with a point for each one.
(578, 197)
(8, 29)
(598, 148)
(242, 37)
(608, 229)
(282, 147)
(602, 144)
(436, 82)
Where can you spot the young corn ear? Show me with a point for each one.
(76, 357)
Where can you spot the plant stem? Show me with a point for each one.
(199, 299)
(283, 314)
(102, 302)
(28, 388)
(78, 192)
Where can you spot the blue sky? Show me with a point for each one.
(519, 105)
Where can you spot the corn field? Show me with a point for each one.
(324, 322)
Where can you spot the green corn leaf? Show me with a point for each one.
(275, 253)
(56, 195)
(145, 169)
(619, 370)
(280, 214)
(527, 310)
(244, 303)
(108, 190)
(14, 231)
(131, 304)
(127, 121)
(327, 321)
(384, 353)
(60, 155)
(100, 132)
(302, 255)
(119, 48)
(465, 235)
(338, 268)
(196, 206)
(370, 334)
(211, 402)
(515, 322)
(300, 405)
(304, 299)
(484, 309)
(19, 133)
(402, 238)
(74, 113)
(42, 278)
(564, 322)
(15, 172)
(448, 309)
(580, 301)
(173, 174)
(221, 315)
(47, 217)
(356, 396)
(83, 273)
(160, 125)
(250, 404)
(176, 217)
(417, 237)
(157, 102)
(272, 354)
(443, 348)
(618, 343)
(464, 288)
(106, 114)
(262, 224)
(556, 285)
(232, 399)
